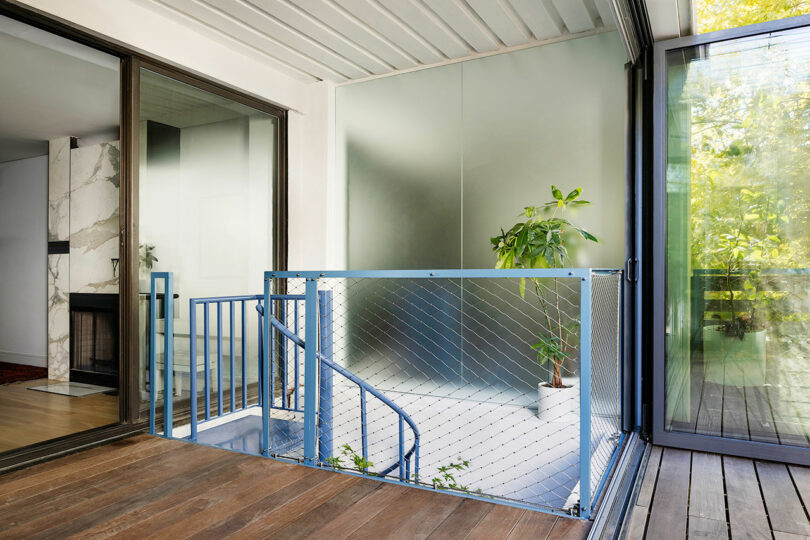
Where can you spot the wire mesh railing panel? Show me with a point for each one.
(461, 358)
(605, 372)
(286, 370)
(498, 384)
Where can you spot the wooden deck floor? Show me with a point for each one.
(711, 496)
(146, 487)
(778, 414)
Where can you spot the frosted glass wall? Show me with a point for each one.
(437, 161)
(401, 139)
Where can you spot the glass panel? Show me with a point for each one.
(522, 135)
(400, 139)
(206, 172)
(59, 217)
(738, 254)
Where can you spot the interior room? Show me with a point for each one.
(59, 253)
(405, 268)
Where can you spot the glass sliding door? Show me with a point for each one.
(59, 239)
(208, 168)
(733, 186)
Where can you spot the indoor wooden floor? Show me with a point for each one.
(146, 487)
(28, 416)
(711, 496)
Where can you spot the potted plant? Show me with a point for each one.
(541, 241)
(734, 349)
(147, 259)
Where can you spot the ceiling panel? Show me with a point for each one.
(463, 21)
(500, 17)
(342, 40)
(418, 16)
(539, 18)
(575, 15)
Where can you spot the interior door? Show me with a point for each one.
(732, 255)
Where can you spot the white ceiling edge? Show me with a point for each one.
(505, 50)
(56, 43)
(670, 18)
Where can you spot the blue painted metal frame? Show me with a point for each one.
(603, 481)
(265, 369)
(168, 351)
(310, 370)
(206, 302)
(364, 387)
(470, 274)
(585, 396)
(325, 386)
(312, 357)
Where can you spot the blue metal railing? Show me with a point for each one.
(231, 302)
(276, 357)
(583, 275)
(404, 461)
(282, 337)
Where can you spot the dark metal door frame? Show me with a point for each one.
(130, 415)
(661, 436)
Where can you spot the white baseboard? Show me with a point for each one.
(23, 358)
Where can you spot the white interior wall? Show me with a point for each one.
(211, 224)
(23, 260)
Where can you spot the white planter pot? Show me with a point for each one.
(558, 404)
(733, 361)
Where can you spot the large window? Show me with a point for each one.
(737, 249)
(207, 170)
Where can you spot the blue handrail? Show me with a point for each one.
(404, 457)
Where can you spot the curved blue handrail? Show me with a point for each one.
(405, 457)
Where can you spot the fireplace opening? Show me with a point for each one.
(94, 339)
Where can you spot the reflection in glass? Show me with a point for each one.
(738, 254)
(206, 172)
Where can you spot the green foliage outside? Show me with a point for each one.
(446, 476)
(748, 174)
(711, 15)
(359, 462)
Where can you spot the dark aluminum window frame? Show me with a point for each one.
(131, 418)
(706, 443)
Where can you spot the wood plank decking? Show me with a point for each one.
(148, 487)
(698, 495)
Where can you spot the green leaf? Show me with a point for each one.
(523, 287)
(574, 194)
(586, 235)
(556, 193)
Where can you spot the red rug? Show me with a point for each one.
(10, 373)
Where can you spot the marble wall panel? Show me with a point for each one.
(58, 317)
(59, 189)
(94, 226)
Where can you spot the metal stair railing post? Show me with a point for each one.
(265, 369)
(325, 412)
(310, 370)
(585, 395)
(192, 333)
(168, 346)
